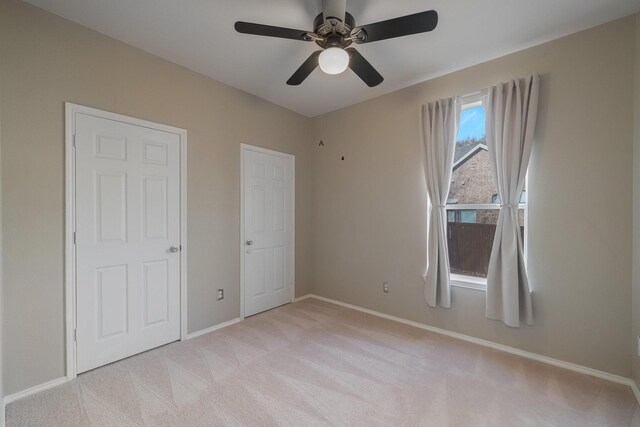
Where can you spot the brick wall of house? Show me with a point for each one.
(472, 182)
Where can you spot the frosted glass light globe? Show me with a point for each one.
(333, 60)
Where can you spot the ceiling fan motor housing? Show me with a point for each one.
(333, 32)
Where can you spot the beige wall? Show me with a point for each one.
(45, 61)
(368, 211)
(2, 412)
(636, 213)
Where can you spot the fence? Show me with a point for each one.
(470, 247)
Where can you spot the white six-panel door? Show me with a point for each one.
(268, 229)
(128, 239)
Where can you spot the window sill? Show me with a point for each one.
(469, 282)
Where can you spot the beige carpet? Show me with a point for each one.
(315, 363)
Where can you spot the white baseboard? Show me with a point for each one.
(304, 297)
(634, 389)
(214, 328)
(512, 350)
(34, 390)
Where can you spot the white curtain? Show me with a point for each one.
(439, 130)
(510, 110)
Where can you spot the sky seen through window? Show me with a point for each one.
(472, 124)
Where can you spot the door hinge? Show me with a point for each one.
(75, 335)
(74, 237)
(74, 140)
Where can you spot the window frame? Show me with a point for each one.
(473, 282)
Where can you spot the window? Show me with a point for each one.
(473, 203)
(462, 215)
(523, 198)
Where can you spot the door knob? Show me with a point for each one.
(173, 249)
(249, 242)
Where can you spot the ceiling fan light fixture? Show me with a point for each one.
(333, 60)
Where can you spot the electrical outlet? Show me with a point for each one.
(385, 287)
(220, 294)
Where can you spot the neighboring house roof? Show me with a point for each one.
(465, 145)
(469, 154)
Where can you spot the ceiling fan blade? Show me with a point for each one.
(305, 69)
(270, 31)
(421, 22)
(363, 69)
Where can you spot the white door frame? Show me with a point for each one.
(70, 220)
(243, 149)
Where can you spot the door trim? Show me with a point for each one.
(71, 110)
(243, 149)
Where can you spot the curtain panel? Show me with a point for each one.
(439, 131)
(510, 110)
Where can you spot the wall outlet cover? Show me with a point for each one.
(220, 294)
(385, 287)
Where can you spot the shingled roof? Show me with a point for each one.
(466, 149)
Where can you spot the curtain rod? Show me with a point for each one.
(479, 92)
(469, 95)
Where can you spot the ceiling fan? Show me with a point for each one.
(334, 30)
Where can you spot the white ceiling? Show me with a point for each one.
(199, 35)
